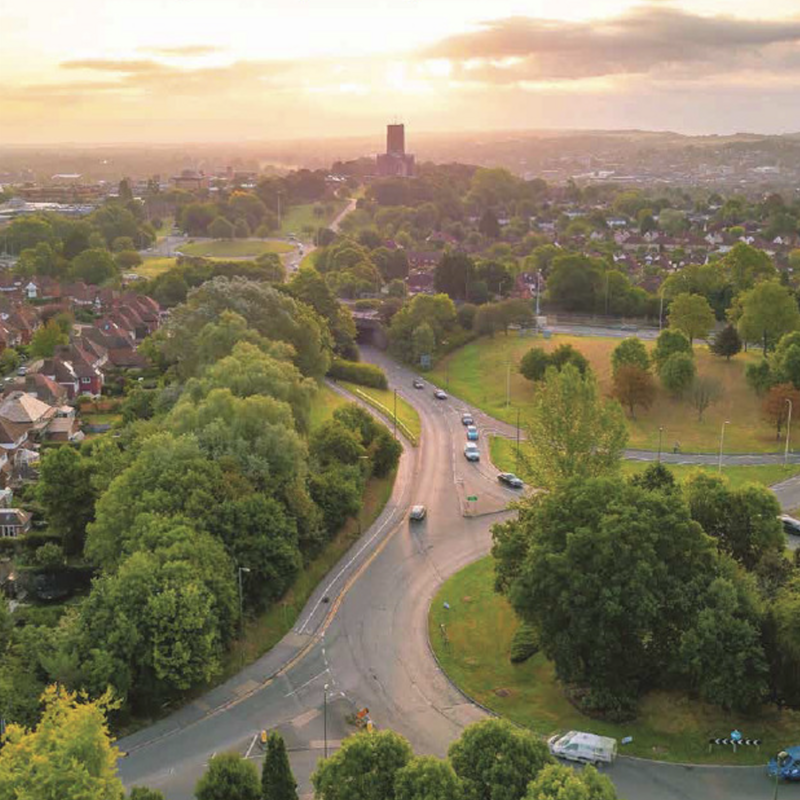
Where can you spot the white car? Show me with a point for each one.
(417, 513)
(471, 452)
(440, 395)
(587, 748)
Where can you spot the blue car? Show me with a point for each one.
(786, 765)
(472, 433)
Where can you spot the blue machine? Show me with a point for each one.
(786, 765)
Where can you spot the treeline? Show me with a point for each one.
(217, 469)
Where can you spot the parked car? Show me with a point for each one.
(471, 452)
(790, 524)
(466, 419)
(472, 433)
(440, 395)
(510, 479)
(786, 765)
(584, 747)
(417, 513)
(22, 371)
(418, 384)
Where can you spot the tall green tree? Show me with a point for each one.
(427, 778)
(68, 757)
(691, 314)
(630, 352)
(453, 275)
(46, 339)
(496, 761)
(229, 777)
(93, 266)
(727, 342)
(769, 311)
(572, 431)
(557, 782)
(364, 768)
(277, 780)
(746, 265)
(669, 342)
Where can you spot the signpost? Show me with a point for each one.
(473, 498)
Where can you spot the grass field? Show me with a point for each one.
(671, 726)
(504, 458)
(479, 371)
(406, 413)
(235, 248)
(298, 217)
(325, 402)
(152, 267)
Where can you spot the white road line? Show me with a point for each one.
(252, 745)
(300, 688)
(345, 568)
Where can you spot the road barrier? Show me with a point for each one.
(386, 413)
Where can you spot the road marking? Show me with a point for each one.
(300, 688)
(252, 745)
(304, 719)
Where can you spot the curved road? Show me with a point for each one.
(364, 635)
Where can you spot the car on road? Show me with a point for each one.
(786, 765)
(471, 452)
(417, 513)
(588, 748)
(440, 395)
(790, 524)
(472, 433)
(418, 384)
(510, 479)
(466, 419)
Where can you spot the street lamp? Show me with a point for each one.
(538, 289)
(661, 308)
(241, 600)
(325, 717)
(508, 383)
(660, 433)
(788, 433)
(721, 440)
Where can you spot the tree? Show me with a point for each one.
(668, 343)
(144, 793)
(453, 275)
(93, 266)
(576, 282)
(691, 314)
(66, 494)
(229, 777)
(127, 259)
(68, 757)
(678, 373)
(759, 376)
(277, 780)
(633, 387)
(572, 431)
(364, 768)
(558, 782)
(221, 228)
(423, 341)
(775, 405)
(745, 266)
(488, 225)
(495, 760)
(241, 230)
(704, 391)
(610, 575)
(785, 361)
(534, 364)
(727, 342)
(427, 778)
(722, 652)
(744, 522)
(630, 352)
(769, 311)
(46, 339)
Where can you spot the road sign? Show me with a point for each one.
(425, 361)
(736, 736)
(472, 498)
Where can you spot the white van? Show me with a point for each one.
(584, 747)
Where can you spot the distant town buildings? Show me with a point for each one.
(395, 162)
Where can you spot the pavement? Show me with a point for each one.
(363, 635)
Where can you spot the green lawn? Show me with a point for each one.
(235, 248)
(504, 458)
(101, 419)
(479, 627)
(296, 218)
(406, 413)
(151, 267)
(479, 371)
(325, 402)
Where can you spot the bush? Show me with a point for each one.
(386, 453)
(362, 374)
(678, 373)
(525, 643)
(602, 704)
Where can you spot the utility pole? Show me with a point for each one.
(517, 461)
(538, 289)
(660, 432)
(721, 440)
(240, 570)
(325, 718)
(395, 413)
(788, 434)
(508, 383)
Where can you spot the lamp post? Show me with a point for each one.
(517, 452)
(508, 383)
(395, 413)
(325, 718)
(788, 433)
(661, 308)
(538, 289)
(241, 599)
(721, 440)
(660, 433)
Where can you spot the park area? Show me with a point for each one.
(235, 248)
(485, 373)
(303, 220)
(472, 641)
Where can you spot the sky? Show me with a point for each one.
(247, 70)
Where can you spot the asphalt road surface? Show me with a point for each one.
(364, 635)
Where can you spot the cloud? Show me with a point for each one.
(111, 65)
(183, 51)
(643, 41)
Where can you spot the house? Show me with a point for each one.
(419, 282)
(14, 522)
(423, 260)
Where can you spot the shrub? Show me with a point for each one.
(525, 643)
(678, 373)
(386, 453)
(355, 372)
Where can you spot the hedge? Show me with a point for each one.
(362, 374)
(524, 644)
